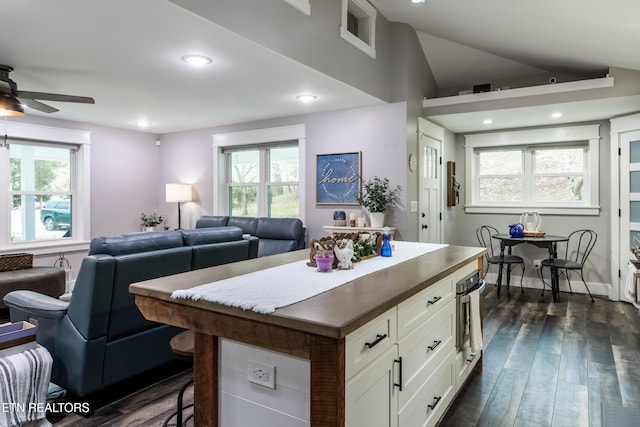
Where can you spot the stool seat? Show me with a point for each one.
(182, 344)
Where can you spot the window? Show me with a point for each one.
(359, 25)
(256, 175)
(45, 197)
(550, 170)
(263, 181)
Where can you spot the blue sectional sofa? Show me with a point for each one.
(100, 337)
(275, 235)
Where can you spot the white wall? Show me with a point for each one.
(378, 132)
(598, 270)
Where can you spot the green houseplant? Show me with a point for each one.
(151, 220)
(377, 194)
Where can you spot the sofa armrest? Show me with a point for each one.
(36, 305)
(253, 245)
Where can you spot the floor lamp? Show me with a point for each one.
(178, 193)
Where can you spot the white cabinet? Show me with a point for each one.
(401, 368)
(371, 397)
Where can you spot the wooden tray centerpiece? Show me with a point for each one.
(365, 245)
(533, 233)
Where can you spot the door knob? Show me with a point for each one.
(425, 226)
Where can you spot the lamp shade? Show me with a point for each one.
(10, 106)
(178, 193)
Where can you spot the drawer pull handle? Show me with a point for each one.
(436, 400)
(399, 383)
(471, 357)
(435, 344)
(376, 341)
(434, 300)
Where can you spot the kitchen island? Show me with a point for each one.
(320, 329)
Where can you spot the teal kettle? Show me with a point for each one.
(516, 230)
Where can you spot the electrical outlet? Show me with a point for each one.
(537, 263)
(264, 375)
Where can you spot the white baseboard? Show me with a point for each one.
(601, 289)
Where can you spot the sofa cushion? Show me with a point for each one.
(268, 247)
(211, 221)
(205, 256)
(279, 228)
(209, 235)
(248, 224)
(135, 243)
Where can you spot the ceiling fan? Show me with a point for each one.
(9, 88)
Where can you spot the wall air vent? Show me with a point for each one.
(359, 25)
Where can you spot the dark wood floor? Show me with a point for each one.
(544, 364)
(551, 364)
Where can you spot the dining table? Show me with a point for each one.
(549, 242)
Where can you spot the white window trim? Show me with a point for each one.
(258, 136)
(589, 133)
(81, 222)
(371, 12)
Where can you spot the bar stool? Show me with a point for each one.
(182, 346)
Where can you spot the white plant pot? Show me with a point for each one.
(148, 228)
(376, 219)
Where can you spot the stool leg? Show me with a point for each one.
(180, 402)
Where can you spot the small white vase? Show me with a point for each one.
(376, 219)
(148, 229)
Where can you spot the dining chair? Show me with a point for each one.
(572, 256)
(484, 234)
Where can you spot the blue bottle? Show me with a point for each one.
(386, 246)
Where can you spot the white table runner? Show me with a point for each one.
(266, 290)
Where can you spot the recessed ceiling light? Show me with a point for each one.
(196, 59)
(487, 121)
(418, 1)
(143, 124)
(556, 115)
(306, 98)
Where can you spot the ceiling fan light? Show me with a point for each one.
(10, 107)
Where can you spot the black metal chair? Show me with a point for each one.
(572, 256)
(484, 234)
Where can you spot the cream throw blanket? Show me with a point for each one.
(266, 290)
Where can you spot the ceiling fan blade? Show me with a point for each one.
(55, 97)
(37, 105)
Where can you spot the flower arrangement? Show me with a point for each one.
(151, 220)
(377, 194)
(364, 247)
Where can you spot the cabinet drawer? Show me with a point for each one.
(420, 307)
(424, 349)
(466, 360)
(369, 341)
(431, 400)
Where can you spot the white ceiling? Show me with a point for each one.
(126, 54)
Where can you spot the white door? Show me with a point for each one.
(629, 201)
(430, 170)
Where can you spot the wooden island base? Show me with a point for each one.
(315, 329)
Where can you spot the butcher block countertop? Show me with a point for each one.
(332, 314)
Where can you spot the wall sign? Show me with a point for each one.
(338, 178)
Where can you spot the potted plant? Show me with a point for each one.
(150, 221)
(376, 195)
